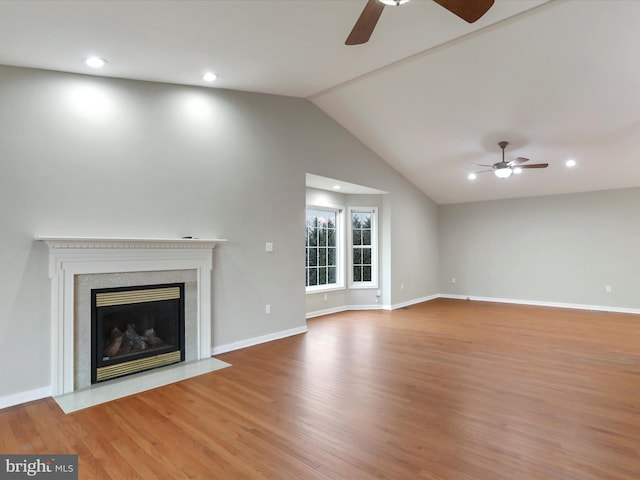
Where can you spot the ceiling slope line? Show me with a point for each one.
(431, 50)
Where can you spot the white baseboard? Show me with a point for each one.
(576, 306)
(538, 303)
(395, 306)
(408, 303)
(326, 311)
(257, 340)
(24, 397)
(345, 308)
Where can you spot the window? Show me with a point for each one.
(323, 244)
(364, 254)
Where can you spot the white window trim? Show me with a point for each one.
(374, 249)
(340, 247)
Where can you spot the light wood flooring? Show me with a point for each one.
(443, 390)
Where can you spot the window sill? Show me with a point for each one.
(333, 288)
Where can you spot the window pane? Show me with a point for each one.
(313, 276)
(331, 256)
(331, 237)
(322, 256)
(310, 218)
(355, 221)
(313, 257)
(357, 256)
(322, 276)
(322, 237)
(366, 274)
(366, 237)
(357, 274)
(357, 237)
(366, 256)
(312, 238)
(331, 275)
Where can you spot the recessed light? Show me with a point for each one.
(209, 77)
(95, 62)
(337, 187)
(472, 176)
(571, 163)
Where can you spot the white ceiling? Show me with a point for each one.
(429, 93)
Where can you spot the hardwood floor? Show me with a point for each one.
(443, 390)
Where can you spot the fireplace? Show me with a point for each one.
(120, 262)
(136, 328)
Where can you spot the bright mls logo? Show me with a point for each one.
(51, 467)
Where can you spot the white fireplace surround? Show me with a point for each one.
(71, 256)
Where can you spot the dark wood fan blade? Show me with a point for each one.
(367, 21)
(535, 165)
(518, 161)
(468, 10)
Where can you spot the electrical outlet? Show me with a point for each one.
(608, 288)
(402, 286)
(453, 280)
(268, 247)
(325, 296)
(267, 309)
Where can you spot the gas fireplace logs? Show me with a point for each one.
(130, 341)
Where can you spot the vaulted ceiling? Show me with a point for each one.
(429, 93)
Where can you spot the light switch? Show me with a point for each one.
(268, 247)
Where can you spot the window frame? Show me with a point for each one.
(374, 248)
(340, 247)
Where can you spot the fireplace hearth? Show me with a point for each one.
(136, 328)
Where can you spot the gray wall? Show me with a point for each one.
(92, 156)
(414, 246)
(561, 248)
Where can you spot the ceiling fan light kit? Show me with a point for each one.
(504, 172)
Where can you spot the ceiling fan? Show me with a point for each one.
(468, 10)
(504, 169)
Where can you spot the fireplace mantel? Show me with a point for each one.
(126, 242)
(71, 256)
